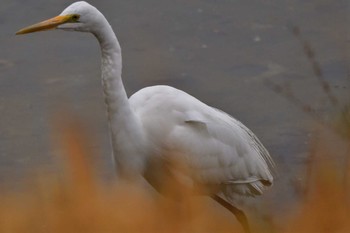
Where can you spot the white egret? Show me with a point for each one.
(160, 124)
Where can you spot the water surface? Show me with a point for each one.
(221, 52)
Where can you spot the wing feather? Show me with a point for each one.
(218, 149)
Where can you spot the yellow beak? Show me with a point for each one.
(46, 25)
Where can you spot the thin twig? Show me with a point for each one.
(316, 68)
(288, 94)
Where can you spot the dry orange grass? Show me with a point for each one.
(77, 202)
(326, 205)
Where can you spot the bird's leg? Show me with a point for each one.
(240, 215)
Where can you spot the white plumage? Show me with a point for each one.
(217, 148)
(160, 124)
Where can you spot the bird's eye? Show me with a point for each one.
(75, 17)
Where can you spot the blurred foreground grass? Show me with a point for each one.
(75, 201)
(326, 201)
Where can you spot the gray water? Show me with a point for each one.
(221, 52)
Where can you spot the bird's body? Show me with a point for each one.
(160, 124)
(216, 148)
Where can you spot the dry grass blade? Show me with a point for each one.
(78, 202)
(311, 56)
(326, 207)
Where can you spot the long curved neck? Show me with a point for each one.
(125, 127)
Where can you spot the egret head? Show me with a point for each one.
(79, 16)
